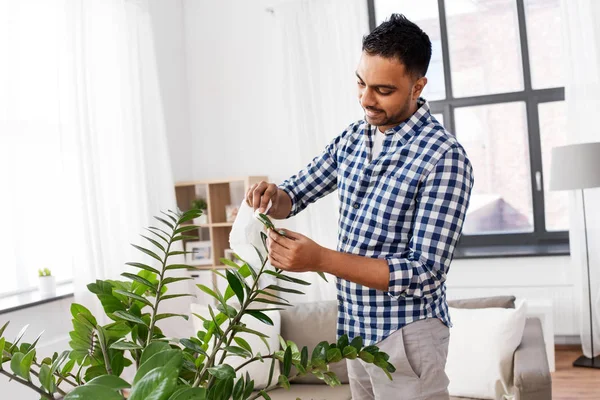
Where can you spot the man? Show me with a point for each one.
(404, 185)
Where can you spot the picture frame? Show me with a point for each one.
(201, 253)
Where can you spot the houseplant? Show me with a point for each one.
(47, 282)
(172, 368)
(200, 204)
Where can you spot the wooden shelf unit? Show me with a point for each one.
(218, 193)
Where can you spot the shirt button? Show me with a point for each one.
(345, 239)
(356, 205)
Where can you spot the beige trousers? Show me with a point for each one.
(418, 351)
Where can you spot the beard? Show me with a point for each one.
(381, 117)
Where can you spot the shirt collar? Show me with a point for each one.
(405, 130)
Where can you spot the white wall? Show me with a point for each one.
(167, 20)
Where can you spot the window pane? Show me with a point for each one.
(485, 49)
(499, 151)
(553, 129)
(425, 14)
(439, 117)
(544, 35)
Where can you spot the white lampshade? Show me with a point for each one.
(576, 166)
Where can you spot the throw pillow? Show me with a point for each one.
(259, 371)
(482, 345)
(484, 302)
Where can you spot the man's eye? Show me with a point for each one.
(360, 83)
(384, 92)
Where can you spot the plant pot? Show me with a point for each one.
(201, 220)
(47, 286)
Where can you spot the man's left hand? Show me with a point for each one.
(293, 251)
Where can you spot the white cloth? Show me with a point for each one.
(378, 139)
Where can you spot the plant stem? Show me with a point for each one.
(236, 319)
(159, 287)
(28, 384)
(251, 361)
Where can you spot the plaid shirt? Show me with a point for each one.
(406, 206)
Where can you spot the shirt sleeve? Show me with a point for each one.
(316, 180)
(442, 203)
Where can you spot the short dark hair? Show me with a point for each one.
(401, 39)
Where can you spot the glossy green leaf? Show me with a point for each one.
(26, 364)
(350, 352)
(283, 382)
(262, 317)
(334, 355)
(19, 337)
(284, 289)
(189, 394)
(125, 346)
(174, 296)
(2, 344)
(195, 347)
(110, 381)
(4, 328)
(331, 378)
(169, 315)
(46, 379)
(236, 286)
(342, 342)
(148, 252)
(184, 229)
(140, 280)
(238, 389)
(322, 275)
(93, 392)
(178, 266)
(167, 223)
(271, 370)
(287, 361)
(242, 343)
(172, 358)
(79, 309)
(238, 351)
(15, 364)
(222, 372)
(158, 384)
(135, 297)
(117, 330)
(129, 317)
(170, 280)
(154, 242)
(304, 357)
(158, 235)
(152, 349)
(357, 343)
(144, 267)
(366, 357)
(264, 395)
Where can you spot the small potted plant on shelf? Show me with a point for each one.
(200, 204)
(47, 282)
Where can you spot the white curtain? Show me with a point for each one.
(582, 94)
(319, 48)
(86, 123)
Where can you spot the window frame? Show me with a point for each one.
(539, 241)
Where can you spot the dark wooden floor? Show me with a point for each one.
(570, 383)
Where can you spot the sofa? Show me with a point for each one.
(309, 323)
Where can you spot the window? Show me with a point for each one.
(32, 193)
(496, 81)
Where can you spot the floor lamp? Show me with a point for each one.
(577, 167)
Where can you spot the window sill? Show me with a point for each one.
(537, 250)
(33, 298)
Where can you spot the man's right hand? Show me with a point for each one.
(259, 195)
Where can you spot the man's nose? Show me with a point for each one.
(367, 98)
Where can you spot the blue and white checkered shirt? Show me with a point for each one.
(406, 206)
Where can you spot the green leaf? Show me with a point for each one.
(264, 395)
(173, 296)
(238, 389)
(169, 280)
(26, 364)
(154, 242)
(46, 379)
(184, 229)
(2, 344)
(272, 295)
(139, 279)
(93, 392)
(144, 267)
(267, 301)
(322, 275)
(210, 292)
(350, 352)
(189, 394)
(146, 251)
(284, 289)
(334, 355)
(129, 317)
(110, 381)
(238, 351)
(135, 297)
(366, 357)
(177, 266)
(4, 328)
(173, 359)
(222, 372)
(158, 235)
(235, 285)
(262, 317)
(320, 351)
(15, 364)
(260, 256)
(357, 343)
(371, 349)
(152, 349)
(283, 382)
(342, 342)
(169, 315)
(19, 337)
(242, 343)
(158, 384)
(167, 223)
(331, 379)
(304, 357)
(125, 346)
(287, 361)
(117, 330)
(273, 361)
(79, 309)
(195, 347)
(249, 386)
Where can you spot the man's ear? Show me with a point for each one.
(418, 87)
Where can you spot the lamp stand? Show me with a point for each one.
(584, 361)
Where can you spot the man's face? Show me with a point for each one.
(386, 92)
